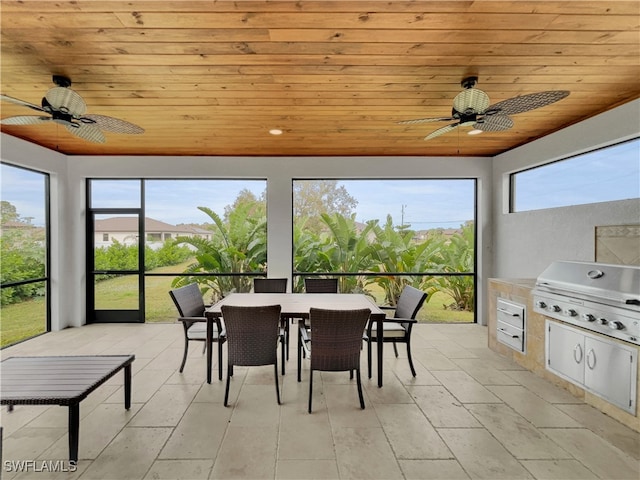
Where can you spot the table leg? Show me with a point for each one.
(127, 386)
(74, 432)
(379, 344)
(209, 345)
(299, 349)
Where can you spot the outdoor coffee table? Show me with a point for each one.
(62, 381)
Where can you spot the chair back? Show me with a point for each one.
(252, 334)
(188, 300)
(410, 302)
(270, 285)
(321, 285)
(336, 338)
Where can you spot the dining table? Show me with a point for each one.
(296, 306)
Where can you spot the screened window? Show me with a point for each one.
(603, 175)
(212, 232)
(24, 265)
(378, 235)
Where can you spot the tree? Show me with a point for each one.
(8, 212)
(311, 198)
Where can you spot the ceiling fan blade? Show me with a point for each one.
(471, 100)
(440, 131)
(531, 101)
(425, 120)
(17, 101)
(112, 124)
(66, 100)
(87, 132)
(494, 123)
(25, 120)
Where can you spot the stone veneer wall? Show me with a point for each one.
(533, 359)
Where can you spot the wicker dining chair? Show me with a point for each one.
(321, 285)
(188, 301)
(398, 328)
(336, 343)
(276, 285)
(270, 285)
(252, 339)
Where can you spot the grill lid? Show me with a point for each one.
(605, 283)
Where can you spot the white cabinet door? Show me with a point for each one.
(565, 352)
(608, 370)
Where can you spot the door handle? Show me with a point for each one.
(591, 359)
(577, 352)
(502, 310)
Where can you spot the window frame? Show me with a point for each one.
(47, 251)
(512, 183)
(473, 274)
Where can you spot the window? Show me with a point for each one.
(24, 266)
(378, 235)
(604, 175)
(212, 232)
(105, 237)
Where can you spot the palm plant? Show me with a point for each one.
(396, 252)
(347, 250)
(237, 246)
(457, 256)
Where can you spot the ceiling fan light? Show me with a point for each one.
(471, 100)
(275, 131)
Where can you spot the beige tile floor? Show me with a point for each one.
(469, 413)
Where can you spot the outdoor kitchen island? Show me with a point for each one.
(520, 292)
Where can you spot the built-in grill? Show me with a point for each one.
(599, 297)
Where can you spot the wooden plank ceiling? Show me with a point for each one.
(213, 77)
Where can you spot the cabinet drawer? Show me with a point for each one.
(510, 313)
(511, 336)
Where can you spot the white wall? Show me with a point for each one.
(525, 243)
(279, 173)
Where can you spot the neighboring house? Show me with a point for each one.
(124, 230)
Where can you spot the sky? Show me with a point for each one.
(608, 174)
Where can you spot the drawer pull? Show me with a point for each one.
(505, 332)
(502, 310)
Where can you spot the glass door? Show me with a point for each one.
(115, 283)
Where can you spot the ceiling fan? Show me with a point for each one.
(65, 107)
(471, 109)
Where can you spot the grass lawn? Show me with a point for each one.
(23, 320)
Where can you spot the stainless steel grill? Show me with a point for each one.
(599, 297)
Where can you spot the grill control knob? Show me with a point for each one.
(616, 326)
(555, 308)
(602, 321)
(588, 317)
(541, 304)
(571, 312)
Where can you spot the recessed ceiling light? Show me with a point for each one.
(275, 131)
(475, 131)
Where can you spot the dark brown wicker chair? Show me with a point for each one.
(188, 301)
(398, 329)
(321, 285)
(336, 343)
(252, 339)
(276, 285)
(270, 285)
